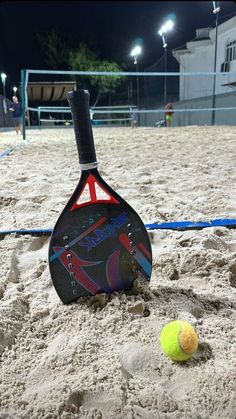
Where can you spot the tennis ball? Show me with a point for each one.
(179, 340)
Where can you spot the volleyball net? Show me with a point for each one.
(199, 98)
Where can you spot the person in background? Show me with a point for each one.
(168, 114)
(134, 118)
(16, 108)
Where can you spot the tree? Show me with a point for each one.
(54, 48)
(59, 55)
(84, 59)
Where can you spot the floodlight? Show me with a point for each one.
(166, 27)
(3, 77)
(216, 8)
(136, 51)
(15, 89)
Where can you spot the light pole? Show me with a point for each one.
(136, 51)
(216, 10)
(3, 78)
(168, 26)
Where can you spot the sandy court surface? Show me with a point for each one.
(96, 359)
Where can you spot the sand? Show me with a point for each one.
(100, 358)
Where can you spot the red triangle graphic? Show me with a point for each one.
(93, 193)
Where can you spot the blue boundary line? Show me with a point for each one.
(175, 225)
(8, 151)
(187, 225)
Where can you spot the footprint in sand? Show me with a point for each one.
(29, 257)
(216, 243)
(142, 361)
(232, 274)
(39, 199)
(12, 317)
(6, 201)
(37, 243)
(22, 179)
(91, 404)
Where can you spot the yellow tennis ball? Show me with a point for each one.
(179, 340)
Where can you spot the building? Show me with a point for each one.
(46, 97)
(40, 94)
(198, 56)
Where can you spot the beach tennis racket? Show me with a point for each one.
(99, 243)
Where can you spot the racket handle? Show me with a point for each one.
(79, 104)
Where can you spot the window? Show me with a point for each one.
(224, 67)
(231, 51)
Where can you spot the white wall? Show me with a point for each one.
(201, 118)
(200, 57)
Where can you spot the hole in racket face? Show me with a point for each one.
(97, 247)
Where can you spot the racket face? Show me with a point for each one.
(99, 243)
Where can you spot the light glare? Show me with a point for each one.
(136, 51)
(216, 7)
(168, 26)
(3, 77)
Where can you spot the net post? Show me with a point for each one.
(23, 73)
(214, 79)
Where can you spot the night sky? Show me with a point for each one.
(109, 27)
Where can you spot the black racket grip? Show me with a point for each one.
(79, 104)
